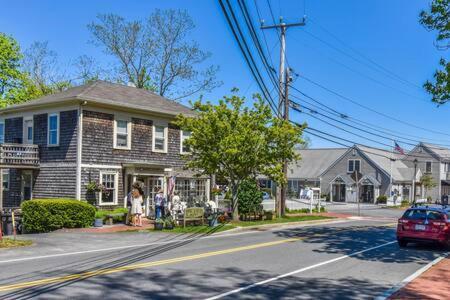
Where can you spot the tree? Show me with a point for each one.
(438, 19)
(428, 182)
(156, 54)
(41, 65)
(11, 76)
(238, 142)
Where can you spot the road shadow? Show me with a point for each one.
(195, 284)
(351, 239)
(115, 259)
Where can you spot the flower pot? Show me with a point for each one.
(159, 226)
(98, 223)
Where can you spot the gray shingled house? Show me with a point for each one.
(99, 132)
(380, 172)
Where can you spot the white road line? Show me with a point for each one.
(221, 235)
(296, 272)
(410, 278)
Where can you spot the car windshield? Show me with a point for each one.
(422, 214)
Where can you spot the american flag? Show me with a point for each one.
(171, 186)
(399, 149)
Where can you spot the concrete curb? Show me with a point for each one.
(286, 224)
(410, 278)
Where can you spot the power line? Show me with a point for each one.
(364, 75)
(368, 108)
(243, 46)
(347, 117)
(389, 72)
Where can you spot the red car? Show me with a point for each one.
(423, 224)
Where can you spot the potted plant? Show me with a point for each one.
(159, 224)
(169, 223)
(98, 221)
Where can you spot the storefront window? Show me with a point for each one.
(191, 190)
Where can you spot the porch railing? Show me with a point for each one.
(19, 155)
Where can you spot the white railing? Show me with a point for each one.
(19, 155)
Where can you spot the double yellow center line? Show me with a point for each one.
(84, 275)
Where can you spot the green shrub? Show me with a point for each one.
(249, 197)
(404, 203)
(382, 199)
(46, 215)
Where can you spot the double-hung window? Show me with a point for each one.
(428, 167)
(184, 136)
(354, 165)
(122, 134)
(159, 138)
(53, 129)
(2, 132)
(28, 130)
(109, 183)
(5, 181)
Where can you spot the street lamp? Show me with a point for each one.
(414, 180)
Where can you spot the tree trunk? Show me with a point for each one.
(234, 201)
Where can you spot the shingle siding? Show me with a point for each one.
(67, 150)
(12, 197)
(55, 182)
(367, 168)
(14, 130)
(98, 131)
(93, 175)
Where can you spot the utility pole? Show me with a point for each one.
(283, 85)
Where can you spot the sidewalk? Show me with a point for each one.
(432, 284)
(146, 224)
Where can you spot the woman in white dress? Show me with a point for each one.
(136, 206)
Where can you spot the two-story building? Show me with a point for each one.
(99, 132)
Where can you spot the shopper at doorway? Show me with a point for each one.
(136, 206)
(159, 204)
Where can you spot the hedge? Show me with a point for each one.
(44, 215)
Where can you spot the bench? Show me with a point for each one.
(193, 214)
(109, 217)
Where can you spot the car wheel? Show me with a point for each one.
(402, 243)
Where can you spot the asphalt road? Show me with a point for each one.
(343, 260)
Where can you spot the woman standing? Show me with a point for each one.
(159, 204)
(136, 206)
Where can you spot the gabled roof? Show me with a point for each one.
(441, 152)
(314, 162)
(111, 94)
(382, 159)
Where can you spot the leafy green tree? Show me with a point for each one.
(238, 142)
(10, 58)
(438, 19)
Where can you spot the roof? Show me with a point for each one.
(382, 158)
(314, 162)
(345, 177)
(438, 150)
(111, 94)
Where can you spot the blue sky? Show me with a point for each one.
(385, 31)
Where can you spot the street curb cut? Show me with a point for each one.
(410, 278)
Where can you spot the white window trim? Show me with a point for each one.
(2, 121)
(57, 131)
(128, 120)
(6, 172)
(166, 137)
(116, 188)
(348, 165)
(25, 132)
(181, 144)
(431, 167)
